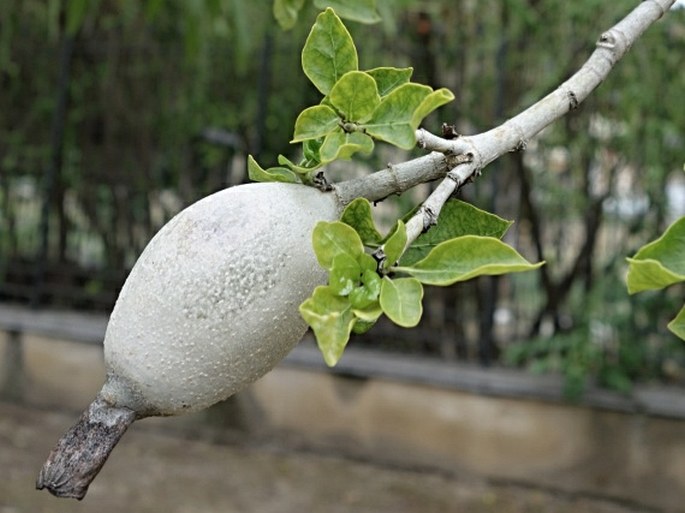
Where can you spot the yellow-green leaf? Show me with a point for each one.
(395, 244)
(274, 174)
(286, 12)
(329, 52)
(331, 319)
(357, 214)
(362, 11)
(466, 257)
(388, 79)
(677, 325)
(315, 122)
(659, 263)
(341, 145)
(355, 96)
(331, 239)
(430, 103)
(401, 299)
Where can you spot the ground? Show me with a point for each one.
(153, 470)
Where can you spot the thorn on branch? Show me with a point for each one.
(450, 131)
(319, 181)
(572, 101)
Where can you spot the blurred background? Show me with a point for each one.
(116, 114)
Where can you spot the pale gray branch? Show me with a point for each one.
(512, 135)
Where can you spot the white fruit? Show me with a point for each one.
(212, 303)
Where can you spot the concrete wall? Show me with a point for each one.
(431, 418)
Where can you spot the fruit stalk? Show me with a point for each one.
(82, 451)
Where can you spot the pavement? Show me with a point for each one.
(154, 470)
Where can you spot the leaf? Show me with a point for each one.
(456, 218)
(400, 300)
(649, 275)
(331, 318)
(341, 145)
(300, 170)
(333, 239)
(355, 96)
(286, 12)
(344, 275)
(430, 103)
(315, 122)
(677, 325)
(388, 79)
(329, 52)
(357, 214)
(466, 257)
(311, 150)
(362, 11)
(366, 318)
(395, 244)
(367, 293)
(392, 120)
(273, 174)
(659, 263)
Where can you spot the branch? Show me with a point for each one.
(462, 158)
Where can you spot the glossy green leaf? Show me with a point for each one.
(457, 218)
(430, 103)
(311, 150)
(315, 122)
(331, 319)
(394, 246)
(366, 318)
(367, 263)
(329, 52)
(286, 12)
(466, 257)
(355, 96)
(358, 215)
(392, 120)
(388, 79)
(362, 11)
(677, 325)
(659, 263)
(361, 326)
(333, 239)
(344, 275)
(367, 293)
(341, 145)
(400, 300)
(274, 174)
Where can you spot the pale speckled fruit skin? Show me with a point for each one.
(212, 303)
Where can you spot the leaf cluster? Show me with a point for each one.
(370, 275)
(358, 107)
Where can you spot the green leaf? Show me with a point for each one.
(457, 218)
(273, 174)
(300, 170)
(311, 150)
(329, 52)
(430, 103)
(388, 79)
(358, 215)
(677, 325)
(392, 120)
(344, 275)
(466, 257)
(330, 317)
(315, 122)
(362, 11)
(341, 145)
(286, 12)
(366, 318)
(649, 275)
(367, 293)
(400, 300)
(333, 239)
(355, 96)
(659, 263)
(395, 244)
